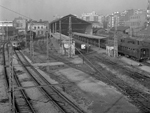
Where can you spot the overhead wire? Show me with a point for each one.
(15, 12)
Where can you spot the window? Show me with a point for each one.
(38, 27)
(41, 32)
(41, 27)
(34, 27)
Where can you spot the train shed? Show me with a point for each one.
(61, 25)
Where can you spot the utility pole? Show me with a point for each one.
(61, 48)
(31, 43)
(116, 39)
(70, 35)
(47, 38)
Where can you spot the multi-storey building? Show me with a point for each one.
(7, 28)
(137, 21)
(119, 18)
(93, 17)
(20, 24)
(39, 27)
(6, 24)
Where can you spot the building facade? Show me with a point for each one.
(6, 23)
(93, 17)
(119, 18)
(137, 21)
(39, 27)
(20, 24)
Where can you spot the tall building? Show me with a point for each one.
(137, 21)
(122, 18)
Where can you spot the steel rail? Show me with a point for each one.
(24, 108)
(55, 102)
(78, 109)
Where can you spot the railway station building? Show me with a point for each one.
(77, 30)
(65, 26)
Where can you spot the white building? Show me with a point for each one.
(6, 23)
(92, 17)
(39, 27)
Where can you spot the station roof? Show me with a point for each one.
(75, 20)
(63, 37)
(89, 36)
(120, 28)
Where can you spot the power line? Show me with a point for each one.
(15, 12)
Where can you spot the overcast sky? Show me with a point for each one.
(47, 9)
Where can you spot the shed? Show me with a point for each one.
(77, 25)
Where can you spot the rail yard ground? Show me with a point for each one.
(92, 95)
(89, 93)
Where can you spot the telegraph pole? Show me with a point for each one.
(70, 35)
(47, 38)
(31, 43)
(116, 39)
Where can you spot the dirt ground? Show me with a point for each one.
(91, 94)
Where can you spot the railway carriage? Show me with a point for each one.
(16, 45)
(136, 49)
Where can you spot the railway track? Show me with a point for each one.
(141, 100)
(25, 106)
(23, 102)
(51, 92)
(141, 78)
